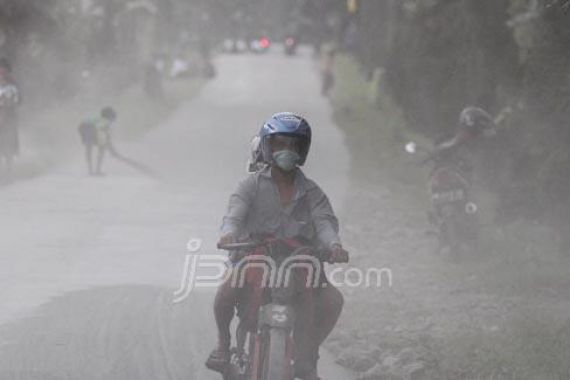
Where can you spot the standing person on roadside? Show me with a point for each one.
(9, 100)
(327, 71)
(96, 132)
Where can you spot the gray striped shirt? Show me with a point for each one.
(255, 207)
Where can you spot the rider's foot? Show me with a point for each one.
(306, 372)
(218, 360)
(309, 376)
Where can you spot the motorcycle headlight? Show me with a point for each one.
(471, 208)
(279, 317)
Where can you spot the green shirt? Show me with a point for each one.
(103, 128)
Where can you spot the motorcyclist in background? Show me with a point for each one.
(279, 200)
(474, 122)
(97, 132)
(451, 180)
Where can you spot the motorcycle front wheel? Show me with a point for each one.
(459, 233)
(276, 361)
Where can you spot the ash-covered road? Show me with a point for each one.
(88, 266)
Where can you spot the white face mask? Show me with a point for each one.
(286, 159)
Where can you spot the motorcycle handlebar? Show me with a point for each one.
(239, 245)
(322, 254)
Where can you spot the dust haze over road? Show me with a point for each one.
(89, 265)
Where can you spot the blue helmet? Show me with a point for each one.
(285, 123)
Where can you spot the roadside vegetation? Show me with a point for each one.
(510, 57)
(499, 315)
(411, 67)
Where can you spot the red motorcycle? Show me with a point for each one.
(272, 276)
(290, 45)
(454, 214)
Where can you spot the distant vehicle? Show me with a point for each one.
(260, 45)
(238, 46)
(290, 45)
(235, 46)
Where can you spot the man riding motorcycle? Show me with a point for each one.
(279, 200)
(450, 181)
(473, 123)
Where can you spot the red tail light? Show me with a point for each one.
(264, 43)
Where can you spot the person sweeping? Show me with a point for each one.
(96, 135)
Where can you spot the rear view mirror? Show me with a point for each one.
(411, 147)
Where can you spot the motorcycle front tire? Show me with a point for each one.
(275, 362)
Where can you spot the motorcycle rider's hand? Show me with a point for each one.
(338, 254)
(227, 239)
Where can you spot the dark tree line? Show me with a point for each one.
(509, 56)
(51, 43)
